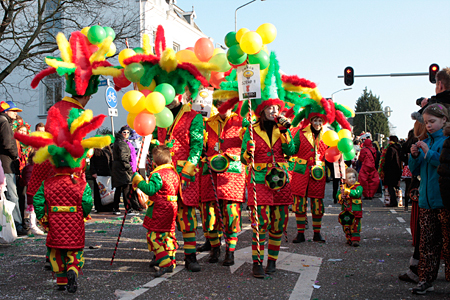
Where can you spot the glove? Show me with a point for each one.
(283, 121)
(187, 173)
(136, 179)
(251, 147)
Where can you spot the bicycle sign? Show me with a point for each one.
(111, 97)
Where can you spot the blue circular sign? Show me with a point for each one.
(111, 97)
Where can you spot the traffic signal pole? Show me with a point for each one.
(390, 75)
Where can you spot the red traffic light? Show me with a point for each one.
(349, 76)
(432, 71)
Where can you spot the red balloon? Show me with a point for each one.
(204, 49)
(216, 79)
(332, 154)
(144, 123)
(121, 81)
(146, 92)
(190, 48)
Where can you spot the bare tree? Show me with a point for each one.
(29, 27)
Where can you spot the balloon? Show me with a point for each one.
(345, 145)
(130, 119)
(235, 55)
(164, 119)
(240, 33)
(112, 50)
(344, 133)
(145, 92)
(332, 154)
(268, 32)
(110, 32)
(349, 155)
(251, 42)
(121, 81)
(151, 87)
(216, 79)
(138, 50)
(85, 30)
(221, 61)
(155, 102)
(134, 72)
(204, 49)
(133, 101)
(190, 49)
(186, 56)
(230, 39)
(217, 51)
(96, 34)
(261, 58)
(144, 123)
(330, 138)
(124, 54)
(167, 91)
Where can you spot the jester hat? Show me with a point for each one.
(163, 67)
(81, 63)
(64, 144)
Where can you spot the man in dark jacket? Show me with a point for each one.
(8, 156)
(392, 169)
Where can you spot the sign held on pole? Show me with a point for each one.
(249, 82)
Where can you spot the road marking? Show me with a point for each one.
(401, 220)
(409, 230)
(393, 211)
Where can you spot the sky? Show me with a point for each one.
(317, 39)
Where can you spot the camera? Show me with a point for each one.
(419, 101)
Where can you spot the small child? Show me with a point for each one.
(350, 197)
(163, 187)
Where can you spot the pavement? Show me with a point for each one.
(308, 270)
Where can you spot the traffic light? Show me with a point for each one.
(434, 68)
(348, 76)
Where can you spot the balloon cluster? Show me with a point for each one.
(340, 145)
(96, 36)
(250, 45)
(147, 108)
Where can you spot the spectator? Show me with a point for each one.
(40, 127)
(368, 175)
(101, 163)
(379, 192)
(392, 169)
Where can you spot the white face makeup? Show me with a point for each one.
(317, 123)
(271, 112)
(351, 179)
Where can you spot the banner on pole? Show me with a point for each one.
(249, 82)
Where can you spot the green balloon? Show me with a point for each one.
(110, 32)
(220, 60)
(134, 71)
(261, 58)
(164, 119)
(235, 55)
(138, 50)
(230, 39)
(167, 91)
(96, 34)
(345, 145)
(349, 155)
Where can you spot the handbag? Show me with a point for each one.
(104, 187)
(8, 232)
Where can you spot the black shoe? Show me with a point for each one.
(229, 259)
(116, 212)
(318, 238)
(22, 231)
(355, 244)
(205, 247)
(405, 277)
(422, 288)
(163, 271)
(271, 266)
(349, 242)
(153, 263)
(191, 263)
(47, 265)
(300, 238)
(132, 212)
(72, 281)
(258, 271)
(214, 255)
(60, 288)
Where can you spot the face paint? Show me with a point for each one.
(271, 112)
(317, 123)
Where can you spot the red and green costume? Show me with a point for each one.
(352, 202)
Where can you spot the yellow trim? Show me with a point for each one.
(71, 100)
(164, 166)
(71, 209)
(275, 134)
(309, 135)
(214, 122)
(301, 161)
(262, 166)
(42, 134)
(356, 201)
(184, 108)
(172, 198)
(189, 168)
(246, 156)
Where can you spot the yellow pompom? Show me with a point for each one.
(168, 61)
(85, 117)
(64, 47)
(41, 155)
(146, 44)
(100, 54)
(107, 71)
(96, 142)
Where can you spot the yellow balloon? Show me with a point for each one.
(240, 33)
(251, 42)
(130, 119)
(268, 32)
(85, 30)
(112, 50)
(330, 138)
(155, 102)
(218, 50)
(186, 56)
(133, 101)
(344, 133)
(151, 87)
(124, 54)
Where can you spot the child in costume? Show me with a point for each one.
(163, 188)
(63, 200)
(350, 197)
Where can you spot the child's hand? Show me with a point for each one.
(342, 191)
(423, 146)
(414, 150)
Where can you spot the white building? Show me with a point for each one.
(180, 32)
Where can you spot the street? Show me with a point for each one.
(308, 270)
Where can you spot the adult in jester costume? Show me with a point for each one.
(184, 137)
(63, 200)
(221, 161)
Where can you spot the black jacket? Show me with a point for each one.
(121, 166)
(444, 172)
(392, 165)
(8, 146)
(101, 162)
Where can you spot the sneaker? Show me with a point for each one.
(116, 212)
(422, 288)
(132, 212)
(71, 281)
(21, 231)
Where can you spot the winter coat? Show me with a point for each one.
(133, 158)
(368, 175)
(101, 162)
(392, 165)
(121, 166)
(444, 171)
(8, 146)
(429, 192)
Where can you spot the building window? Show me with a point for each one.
(52, 91)
(176, 47)
(54, 23)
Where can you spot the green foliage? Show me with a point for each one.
(377, 122)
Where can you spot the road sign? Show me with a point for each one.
(111, 97)
(103, 82)
(113, 112)
(387, 111)
(203, 102)
(249, 82)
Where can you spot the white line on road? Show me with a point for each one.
(401, 220)
(393, 211)
(409, 230)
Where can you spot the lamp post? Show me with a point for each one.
(235, 13)
(332, 94)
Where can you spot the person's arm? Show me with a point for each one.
(288, 144)
(357, 192)
(196, 146)
(39, 203)
(7, 141)
(149, 188)
(297, 141)
(86, 200)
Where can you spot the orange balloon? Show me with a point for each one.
(204, 49)
(216, 79)
(144, 123)
(130, 119)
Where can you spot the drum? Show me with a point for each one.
(276, 178)
(317, 172)
(219, 163)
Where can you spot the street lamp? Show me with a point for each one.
(235, 13)
(332, 95)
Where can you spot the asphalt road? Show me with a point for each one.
(309, 270)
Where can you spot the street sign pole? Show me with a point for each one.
(111, 100)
